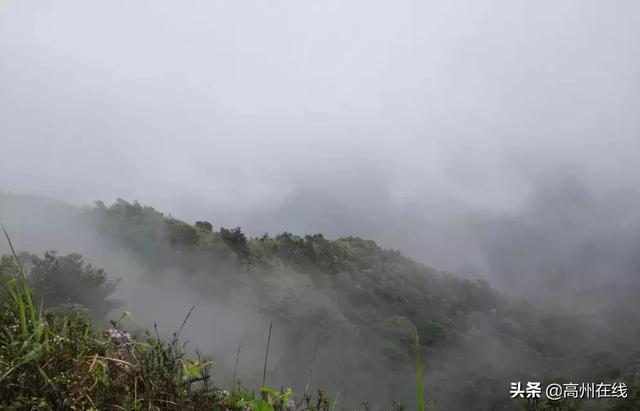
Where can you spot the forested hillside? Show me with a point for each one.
(347, 309)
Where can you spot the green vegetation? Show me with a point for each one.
(49, 362)
(363, 305)
(65, 282)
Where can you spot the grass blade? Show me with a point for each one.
(313, 360)
(23, 293)
(266, 356)
(421, 404)
(235, 368)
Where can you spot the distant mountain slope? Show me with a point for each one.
(36, 222)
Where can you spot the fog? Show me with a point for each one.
(497, 139)
(422, 125)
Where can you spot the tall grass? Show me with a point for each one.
(20, 292)
(30, 343)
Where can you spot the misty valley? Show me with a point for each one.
(134, 309)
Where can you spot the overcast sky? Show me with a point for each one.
(344, 117)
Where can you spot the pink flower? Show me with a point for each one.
(116, 334)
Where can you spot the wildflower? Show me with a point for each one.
(116, 334)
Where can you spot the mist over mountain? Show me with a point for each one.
(443, 129)
(355, 302)
(466, 169)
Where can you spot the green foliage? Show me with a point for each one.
(52, 362)
(181, 234)
(352, 288)
(204, 226)
(60, 281)
(235, 239)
